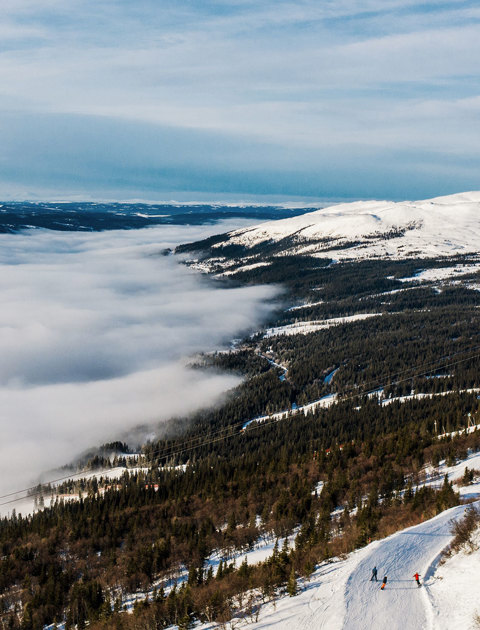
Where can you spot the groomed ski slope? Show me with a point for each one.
(402, 605)
(340, 595)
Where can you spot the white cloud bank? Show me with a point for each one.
(94, 331)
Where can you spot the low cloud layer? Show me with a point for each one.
(95, 330)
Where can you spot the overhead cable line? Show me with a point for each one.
(237, 429)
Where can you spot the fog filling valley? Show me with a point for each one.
(95, 334)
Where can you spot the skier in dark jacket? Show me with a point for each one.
(384, 583)
(417, 579)
(374, 575)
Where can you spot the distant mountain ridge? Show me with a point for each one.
(443, 226)
(100, 216)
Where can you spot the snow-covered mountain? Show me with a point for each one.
(443, 226)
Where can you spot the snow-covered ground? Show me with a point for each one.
(434, 476)
(321, 403)
(402, 605)
(451, 589)
(443, 226)
(26, 505)
(260, 551)
(340, 596)
(329, 377)
(344, 573)
(312, 326)
(306, 305)
(442, 273)
(244, 268)
(275, 364)
(420, 395)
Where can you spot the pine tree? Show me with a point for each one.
(244, 570)
(446, 497)
(232, 522)
(192, 576)
(292, 583)
(275, 550)
(467, 476)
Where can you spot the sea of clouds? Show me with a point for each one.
(95, 334)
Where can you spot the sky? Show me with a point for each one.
(188, 100)
(97, 331)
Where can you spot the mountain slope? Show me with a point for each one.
(402, 603)
(340, 595)
(443, 226)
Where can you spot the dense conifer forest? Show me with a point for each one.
(212, 482)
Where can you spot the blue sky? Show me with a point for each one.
(196, 100)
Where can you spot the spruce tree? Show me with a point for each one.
(292, 583)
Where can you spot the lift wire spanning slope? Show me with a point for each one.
(237, 429)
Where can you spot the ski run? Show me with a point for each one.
(340, 594)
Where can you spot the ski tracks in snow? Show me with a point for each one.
(340, 596)
(402, 605)
(322, 607)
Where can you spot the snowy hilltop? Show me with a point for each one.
(443, 226)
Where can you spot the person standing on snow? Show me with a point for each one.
(374, 575)
(417, 579)
(384, 583)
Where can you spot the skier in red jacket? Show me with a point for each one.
(417, 579)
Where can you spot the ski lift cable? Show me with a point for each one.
(236, 429)
(433, 365)
(344, 397)
(217, 436)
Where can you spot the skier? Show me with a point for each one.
(417, 579)
(384, 583)
(374, 575)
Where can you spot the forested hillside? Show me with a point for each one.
(334, 475)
